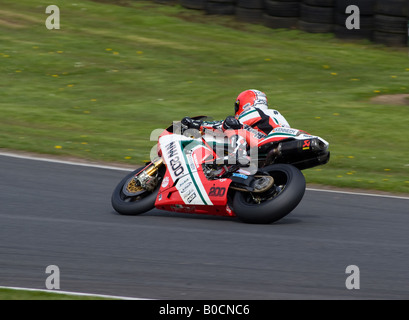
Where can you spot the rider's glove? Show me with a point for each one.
(231, 123)
(189, 123)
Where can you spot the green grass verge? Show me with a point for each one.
(13, 294)
(96, 88)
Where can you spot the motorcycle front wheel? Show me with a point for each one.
(130, 199)
(274, 204)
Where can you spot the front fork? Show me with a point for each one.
(148, 178)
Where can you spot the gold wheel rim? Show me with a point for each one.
(133, 187)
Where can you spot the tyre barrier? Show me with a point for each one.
(170, 2)
(317, 19)
(193, 4)
(361, 29)
(391, 23)
(220, 7)
(282, 13)
(381, 21)
(250, 11)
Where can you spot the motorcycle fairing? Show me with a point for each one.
(185, 187)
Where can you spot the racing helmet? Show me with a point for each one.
(250, 98)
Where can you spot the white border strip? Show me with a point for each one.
(71, 163)
(92, 165)
(73, 293)
(358, 193)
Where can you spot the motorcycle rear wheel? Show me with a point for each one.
(139, 203)
(275, 203)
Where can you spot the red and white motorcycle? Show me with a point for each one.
(186, 176)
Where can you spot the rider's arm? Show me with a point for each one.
(278, 118)
(259, 120)
(189, 123)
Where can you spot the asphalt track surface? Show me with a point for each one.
(58, 214)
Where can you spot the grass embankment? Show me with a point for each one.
(13, 294)
(97, 87)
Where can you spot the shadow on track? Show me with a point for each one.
(195, 216)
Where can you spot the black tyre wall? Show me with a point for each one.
(281, 13)
(166, 1)
(250, 15)
(397, 8)
(366, 7)
(317, 14)
(251, 4)
(320, 3)
(220, 7)
(193, 4)
(280, 22)
(250, 11)
(282, 9)
(391, 23)
(364, 32)
(390, 39)
(314, 27)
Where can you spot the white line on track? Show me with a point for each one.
(71, 163)
(93, 165)
(72, 293)
(358, 193)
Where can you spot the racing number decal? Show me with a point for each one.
(217, 192)
(176, 166)
(175, 163)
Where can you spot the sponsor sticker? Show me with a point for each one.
(165, 182)
(191, 163)
(286, 130)
(196, 161)
(186, 187)
(240, 175)
(191, 197)
(306, 145)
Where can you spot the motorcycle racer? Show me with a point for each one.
(253, 120)
(188, 171)
(251, 108)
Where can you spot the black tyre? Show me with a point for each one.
(316, 27)
(251, 4)
(277, 202)
(138, 203)
(342, 32)
(365, 30)
(166, 1)
(366, 7)
(398, 8)
(249, 15)
(317, 14)
(220, 8)
(282, 9)
(280, 22)
(320, 3)
(390, 39)
(193, 4)
(391, 24)
(365, 22)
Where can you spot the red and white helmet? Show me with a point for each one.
(250, 98)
